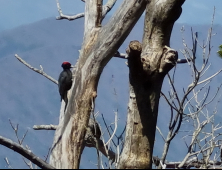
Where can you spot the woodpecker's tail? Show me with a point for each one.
(66, 101)
(65, 106)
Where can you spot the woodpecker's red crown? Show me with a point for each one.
(66, 65)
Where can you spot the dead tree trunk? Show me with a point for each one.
(147, 71)
(99, 45)
(148, 64)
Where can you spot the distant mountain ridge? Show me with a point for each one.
(30, 99)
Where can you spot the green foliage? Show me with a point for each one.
(220, 51)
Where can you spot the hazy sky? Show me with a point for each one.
(14, 13)
(17, 12)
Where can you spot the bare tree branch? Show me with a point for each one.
(191, 163)
(36, 70)
(47, 156)
(20, 141)
(29, 164)
(95, 127)
(120, 55)
(195, 135)
(24, 152)
(89, 141)
(209, 77)
(70, 18)
(167, 100)
(182, 61)
(114, 132)
(107, 128)
(62, 16)
(92, 142)
(7, 162)
(190, 56)
(161, 133)
(125, 56)
(44, 127)
(105, 9)
(92, 139)
(108, 6)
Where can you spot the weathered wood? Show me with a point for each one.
(148, 64)
(99, 13)
(99, 46)
(91, 15)
(143, 107)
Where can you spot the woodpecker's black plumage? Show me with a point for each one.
(65, 81)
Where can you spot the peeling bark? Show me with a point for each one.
(99, 13)
(99, 46)
(148, 64)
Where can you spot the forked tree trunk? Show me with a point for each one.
(99, 45)
(148, 64)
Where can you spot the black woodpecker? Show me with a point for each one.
(65, 81)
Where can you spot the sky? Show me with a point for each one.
(14, 13)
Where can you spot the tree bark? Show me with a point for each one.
(148, 63)
(99, 45)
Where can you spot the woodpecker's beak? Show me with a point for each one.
(72, 66)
